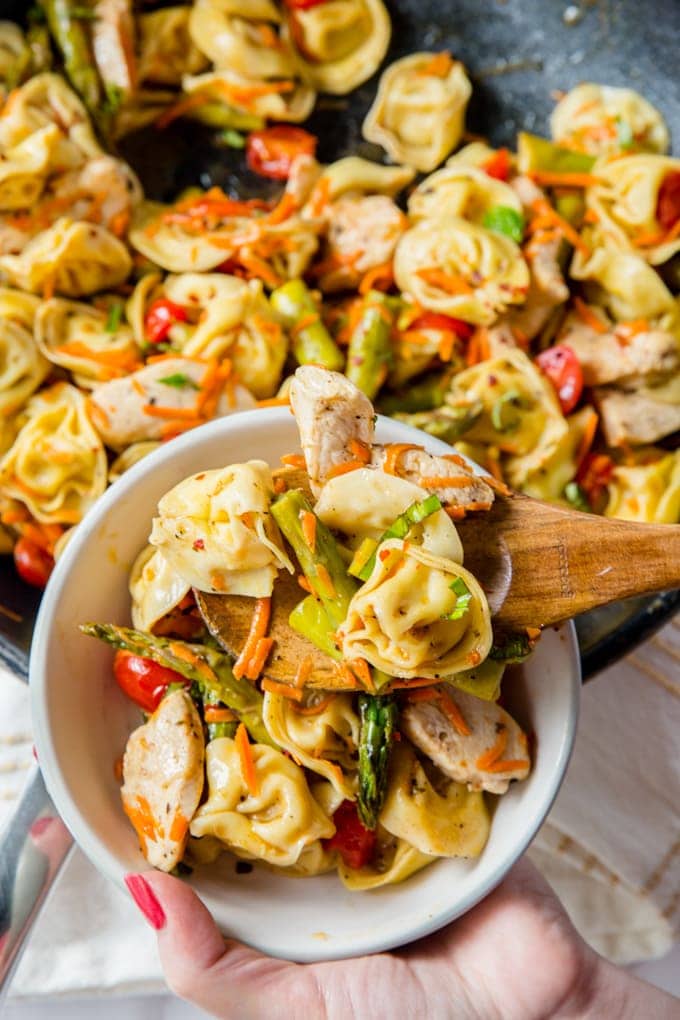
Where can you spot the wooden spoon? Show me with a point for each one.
(538, 564)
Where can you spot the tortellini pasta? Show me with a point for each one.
(404, 620)
(419, 110)
(437, 816)
(625, 284)
(462, 191)
(521, 417)
(131, 456)
(75, 336)
(365, 502)
(394, 861)
(602, 119)
(12, 46)
(215, 530)
(646, 492)
(166, 51)
(57, 464)
(338, 44)
(73, 258)
(24, 169)
(461, 269)
(325, 741)
(155, 588)
(276, 823)
(278, 100)
(230, 34)
(356, 175)
(626, 203)
(22, 366)
(549, 480)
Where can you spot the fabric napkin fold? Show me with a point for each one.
(610, 847)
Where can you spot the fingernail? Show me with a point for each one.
(145, 898)
(40, 825)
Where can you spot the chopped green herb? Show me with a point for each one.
(505, 220)
(497, 411)
(234, 139)
(114, 317)
(114, 97)
(574, 494)
(463, 599)
(624, 134)
(179, 380)
(414, 514)
(510, 648)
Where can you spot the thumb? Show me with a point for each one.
(224, 977)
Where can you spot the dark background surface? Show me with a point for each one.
(518, 52)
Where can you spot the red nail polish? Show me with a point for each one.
(146, 900)
(40, 825)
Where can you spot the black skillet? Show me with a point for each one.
(518, 53)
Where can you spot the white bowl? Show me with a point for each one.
(82, 721)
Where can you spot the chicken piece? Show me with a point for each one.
(487, 758)
(303, 174)
(607, 357)
(423, 468)
(639, 415)
(105, 190)
(330, 412)
(139, 407)
(163, 779)
(362, 235)
(113, 43)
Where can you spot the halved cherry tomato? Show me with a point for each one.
(303, 5)
(160, 318)
(668, 202)
(270, 152)
(436, 320)
(498, 165)
(563, 368)
(33, 562)
(143, 680)
(353, 841)
(594, 475)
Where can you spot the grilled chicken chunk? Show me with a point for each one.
(163, 779)
(607, 357)
(639, 415)
(423, 468)
(487, 758)
(138, 407)
(330, 412)
(362, 235)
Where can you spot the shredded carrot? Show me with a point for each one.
(258, 629)
(320, 197)
(627, 330)
(425, 694)
(180, 108)
(439, 65)
(325, 581)
(533, 632)
(215, 714)
(274, 402)
(184, 653)
(246, 757)
(295, 460)
(362, 670)
(448, 481)
(124, 360)
(453, 714)
(260, 269)
(344, 469)
(316, 707)
(393, 452)
(360, 450)
(549, 178)
(347, 676)
(283, 210)
(304, 584)
(379, 278)
(508, 765)
(455, 458)
(308, 523)
(279, 485)
(654, 239)
(446, 347)
(493, 754)
(497, 486)
(304, 322)
(448, 282)
(284, 690)
(303, 672)
(543, 208)
(587, 438)
(587, 315)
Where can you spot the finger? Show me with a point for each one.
(224, 977)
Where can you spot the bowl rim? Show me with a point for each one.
(101, 856)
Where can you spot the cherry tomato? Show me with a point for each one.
(668, 202)
(498, 165)
(594, 475)
(562, 367)
(34, 564)
(144, 680)
(270, 152)
(436, 320)
(159, 319)
(354, 842)
(303, 5)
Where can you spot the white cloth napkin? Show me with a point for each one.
(611, 846)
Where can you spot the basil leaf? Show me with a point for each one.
(463, 600)
(505, 220)
(179, 380)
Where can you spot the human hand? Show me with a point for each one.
(515, 955)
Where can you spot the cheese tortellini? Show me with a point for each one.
(461, 269)
(276, 823)
(419, 110)
(646, 492)
(462, 191)
(22, 366)
(627, 286)
(254, 101)
(57, 463)
(166, 51)
(230, 34)
(403, 620)
(394, 861)
(155, 588)
(216, 530)
(75, 336)
(602, 119)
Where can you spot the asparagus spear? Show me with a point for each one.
(378, 714)
(536, 154)
(310, 619)
(425, 395)
(447, 423)
(71, 37)
(369, 356)
(312, 343)
(510, 648)
(323, 566)
(484, 681)
(208, 668)
(217, 729)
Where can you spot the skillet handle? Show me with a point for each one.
(33, 846)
